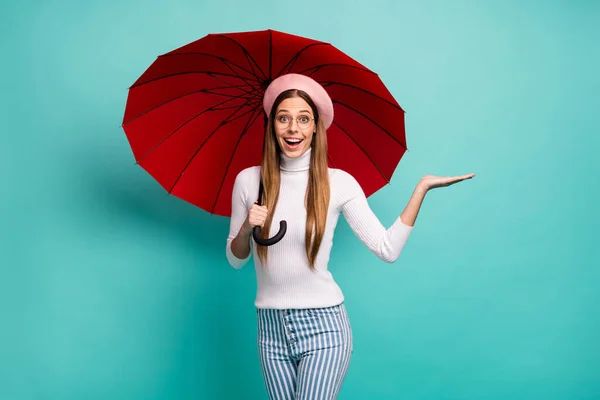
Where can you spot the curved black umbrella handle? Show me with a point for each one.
(256, 231)
(271, 241)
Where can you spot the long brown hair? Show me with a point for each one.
(318, 190)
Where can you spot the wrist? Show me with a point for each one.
(246, 229)
(421, 188)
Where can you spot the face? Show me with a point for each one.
(294, 126)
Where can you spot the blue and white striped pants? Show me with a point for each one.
(304, 353)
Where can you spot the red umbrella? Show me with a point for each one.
(194, 119)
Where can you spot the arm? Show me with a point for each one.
(409, 215)
(240, 245)
(428, 182)
(238, 248)
(387, 244)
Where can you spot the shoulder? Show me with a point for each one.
(248, 174)
(342, 179)
(247, 180)
(344, 186)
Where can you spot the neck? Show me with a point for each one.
(300, 163)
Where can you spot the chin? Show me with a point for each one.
(292, 153)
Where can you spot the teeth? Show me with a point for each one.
(293, 140)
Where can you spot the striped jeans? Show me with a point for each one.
(304, 353)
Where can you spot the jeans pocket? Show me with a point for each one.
(324, 311)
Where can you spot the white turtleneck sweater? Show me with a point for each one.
(287, 281)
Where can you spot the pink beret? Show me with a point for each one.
(298, 81)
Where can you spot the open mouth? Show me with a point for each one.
(293, 142)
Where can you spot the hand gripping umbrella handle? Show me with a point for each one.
(269, 242)
(256, 231)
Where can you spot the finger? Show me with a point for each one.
(460, 178)
(452, 180)
(258, 222)
(262, 213)
(465, 177)
(449, 179)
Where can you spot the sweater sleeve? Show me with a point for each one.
(387, 244)
(239, 213)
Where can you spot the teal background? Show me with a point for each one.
(111, 289)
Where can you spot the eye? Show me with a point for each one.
(283, 118)
(304, 119)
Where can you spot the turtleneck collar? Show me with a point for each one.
(301, 163)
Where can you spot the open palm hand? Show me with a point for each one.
(432, 181)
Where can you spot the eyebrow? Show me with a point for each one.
(283, 109)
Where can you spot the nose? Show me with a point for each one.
(293, 127)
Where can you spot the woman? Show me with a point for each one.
(304, 334)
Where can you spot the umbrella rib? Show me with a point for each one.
(318, 67)
(324, 83)
(237, 87)
(331, 161)
(173, 99)
(239, 76)
(222, 59)
(247, 54)
(184, 73)
(225, 122)
(255, 99)
(228, 64)
(217, 108)
(363, 150)
(248, 125)
(211, 108)
(289, 65)
(243, 96)
(372, 121)
(254, 72)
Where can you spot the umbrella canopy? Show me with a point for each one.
(194, 118)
